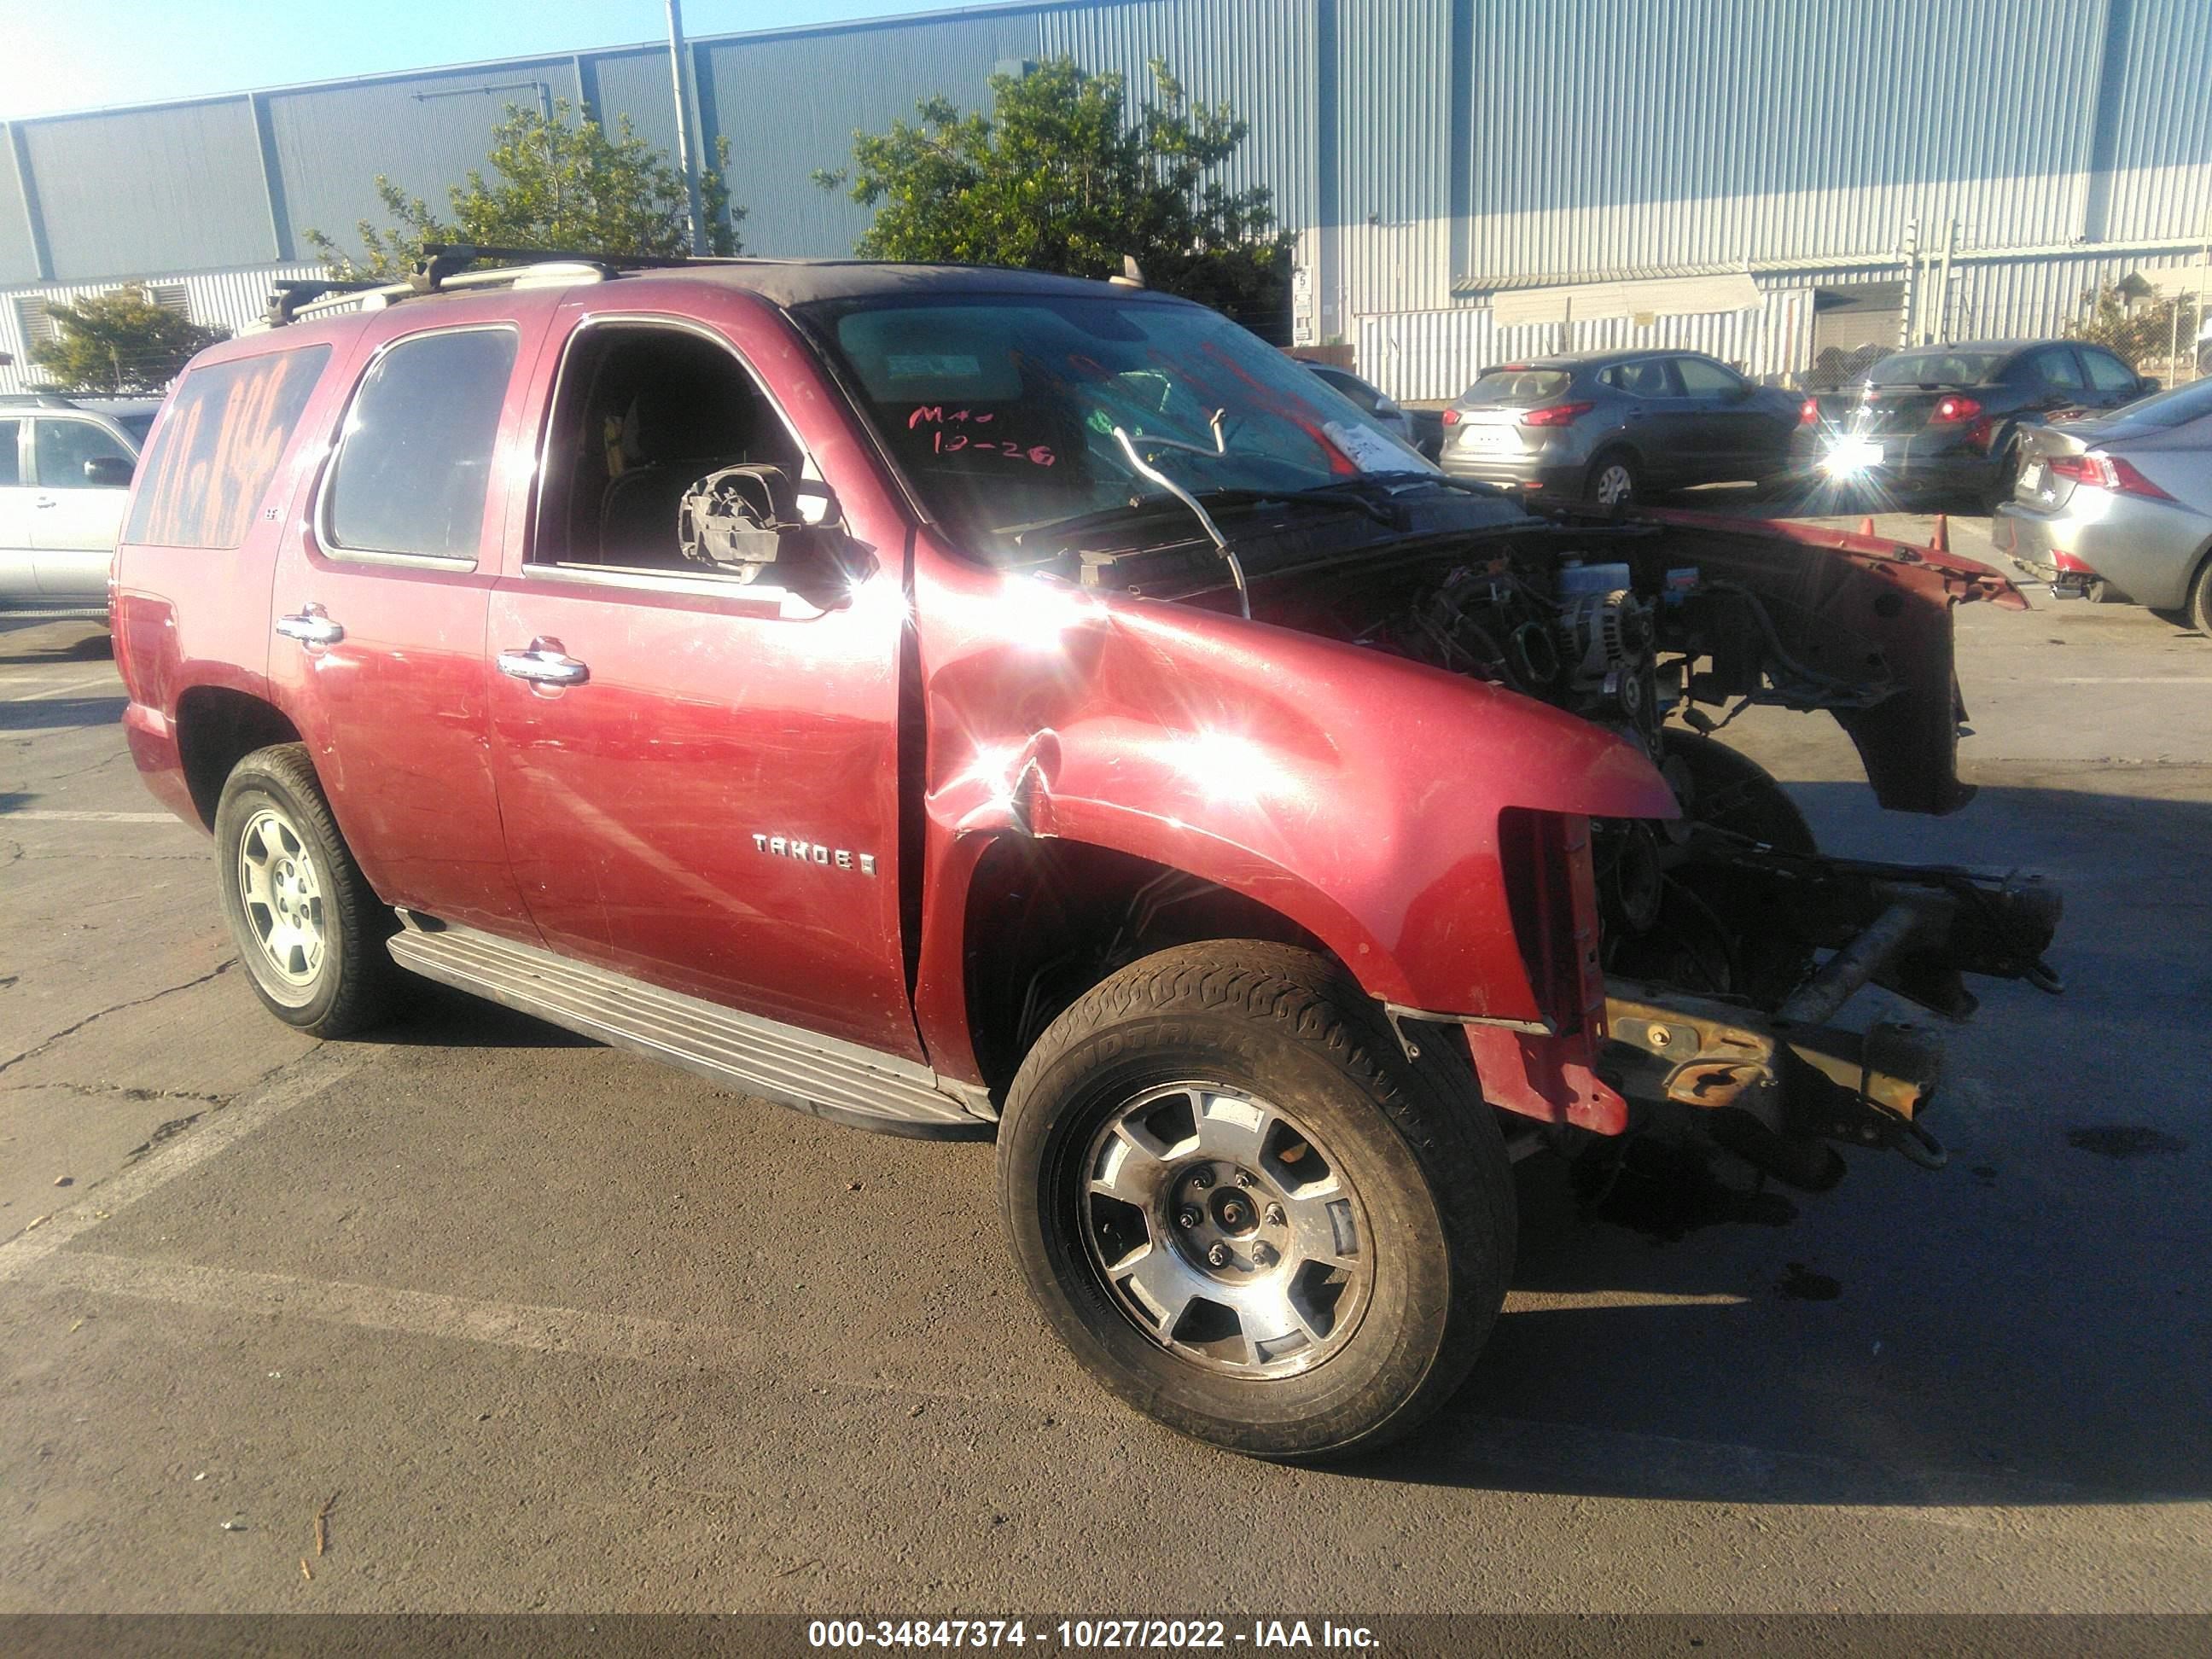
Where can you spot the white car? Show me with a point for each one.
(65, 470)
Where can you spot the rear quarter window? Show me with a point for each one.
(227, 425)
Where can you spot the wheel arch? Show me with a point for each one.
(216, 727)
(1043, 919)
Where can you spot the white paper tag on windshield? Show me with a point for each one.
(1371, 451)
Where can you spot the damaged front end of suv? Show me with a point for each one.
(1223, 629)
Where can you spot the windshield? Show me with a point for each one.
(1934, 369)
(1517, 385)
(1001, 409)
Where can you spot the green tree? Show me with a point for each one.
(561, 181)
(2149, 329)
(1059, 177)
(120, 342)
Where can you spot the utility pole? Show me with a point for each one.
(684, 157)
(1943, 286)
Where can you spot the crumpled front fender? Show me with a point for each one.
(1353, 792)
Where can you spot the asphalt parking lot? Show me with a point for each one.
(562, 1330)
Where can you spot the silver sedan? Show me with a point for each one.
(2124, 500)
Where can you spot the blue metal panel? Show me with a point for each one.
(2161, 143)
(174, 187)
(637, 84)
(1259, 56)
(1615, 134)
(19, 254)
(1394, 164)
(424, 132)
(790, 103)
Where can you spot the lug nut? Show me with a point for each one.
(1243, 1177)
(1201, 1178)
(1263, 1255)
(1274, 1215)
(1217, 1256)
(1187, 1217)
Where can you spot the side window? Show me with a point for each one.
(62, 447)
(1358, 391)
(414, 465)
(2108, 374)
(1647, 377)
(11, 471)
(643, 415)
(225, 430)
(1703, 379)
(2058, 370)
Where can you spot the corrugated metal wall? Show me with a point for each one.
(422, 131)
(1428, 151)
(1262, 55)
(789, 105)
(178, 186)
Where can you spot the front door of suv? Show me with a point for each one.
(75, 518)
(698, 774)
(380, 602)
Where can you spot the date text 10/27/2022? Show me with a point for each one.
(1090, 1635)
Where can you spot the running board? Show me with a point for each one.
(828, 1079)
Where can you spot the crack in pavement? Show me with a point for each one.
(131, 1091)
(46, 1044)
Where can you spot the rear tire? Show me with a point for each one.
(2003, 478)
(308, 929)
(2199, 609)
(1240, 1072)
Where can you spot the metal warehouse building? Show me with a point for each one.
(1766, 179)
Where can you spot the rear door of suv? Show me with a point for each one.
(381, 594)
(698, 772)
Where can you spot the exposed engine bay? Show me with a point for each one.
(1728, 942)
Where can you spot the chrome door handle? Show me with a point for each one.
(544, 663)
(310, 627)
(46, 501)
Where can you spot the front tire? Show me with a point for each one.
(308, 929)
(1245, 1210)
(1612, 480)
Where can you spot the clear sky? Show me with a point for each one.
(80, 54)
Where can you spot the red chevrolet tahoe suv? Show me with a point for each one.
(958, 702)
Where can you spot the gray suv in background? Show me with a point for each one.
(1615, 426)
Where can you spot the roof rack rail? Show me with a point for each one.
(37, 400)
(287, 298)
(442, 261)
(445, 266)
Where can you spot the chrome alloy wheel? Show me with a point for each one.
(1615, 484)
(1228, 1234)
(282, 895)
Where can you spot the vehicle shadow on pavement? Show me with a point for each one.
(2027, 1326)
(60, 714)
(96, 647)
(433, 1016)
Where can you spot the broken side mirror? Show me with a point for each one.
(754, 520)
